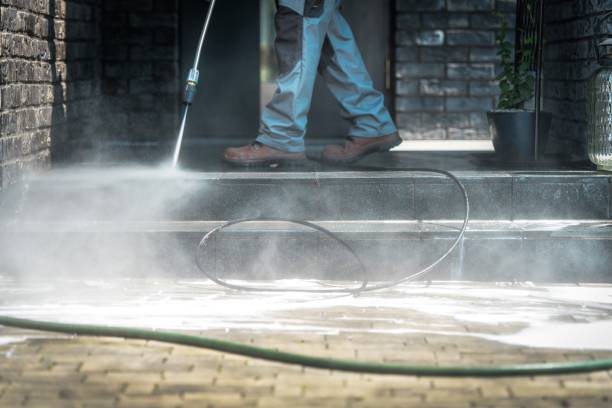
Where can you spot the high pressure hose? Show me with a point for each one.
(365, 286)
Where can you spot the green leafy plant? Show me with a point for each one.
(516, 80)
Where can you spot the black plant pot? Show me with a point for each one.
(513, 134)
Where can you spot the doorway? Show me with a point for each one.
(237, 68)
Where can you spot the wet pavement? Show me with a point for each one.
(440, 323)
(207, 157)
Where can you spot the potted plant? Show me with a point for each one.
(512, 124)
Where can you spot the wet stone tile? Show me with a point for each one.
(556, 200)
(488, 200)
(569, 260)
(493, 260)
(372, 200)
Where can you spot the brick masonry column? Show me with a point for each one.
(47, 79)
(446, 65)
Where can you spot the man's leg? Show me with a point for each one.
(299, 39)
(347, 77)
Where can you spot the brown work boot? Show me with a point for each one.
(356, 148)
(258, 154)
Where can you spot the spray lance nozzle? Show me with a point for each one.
(191, 87)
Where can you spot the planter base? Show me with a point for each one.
(513, 134)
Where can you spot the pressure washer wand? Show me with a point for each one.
(191, 86)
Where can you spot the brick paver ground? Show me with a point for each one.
(50, 371)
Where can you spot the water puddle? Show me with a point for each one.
(554, 316)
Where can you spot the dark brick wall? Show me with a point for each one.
(78, 74)
(140, 69)
(48, 80)
(569, 61)
(446, 66)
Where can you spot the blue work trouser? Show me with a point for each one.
(313, 37)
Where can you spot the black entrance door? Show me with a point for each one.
(227, 104)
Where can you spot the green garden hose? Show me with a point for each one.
(354, 366)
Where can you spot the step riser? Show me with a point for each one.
(408, 198)
(506, 254)
(486, 257)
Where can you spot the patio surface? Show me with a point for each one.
(440, 323)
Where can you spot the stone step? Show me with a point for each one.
(144, 195)
(559, 251)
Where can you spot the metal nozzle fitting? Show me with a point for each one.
(191, 86)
